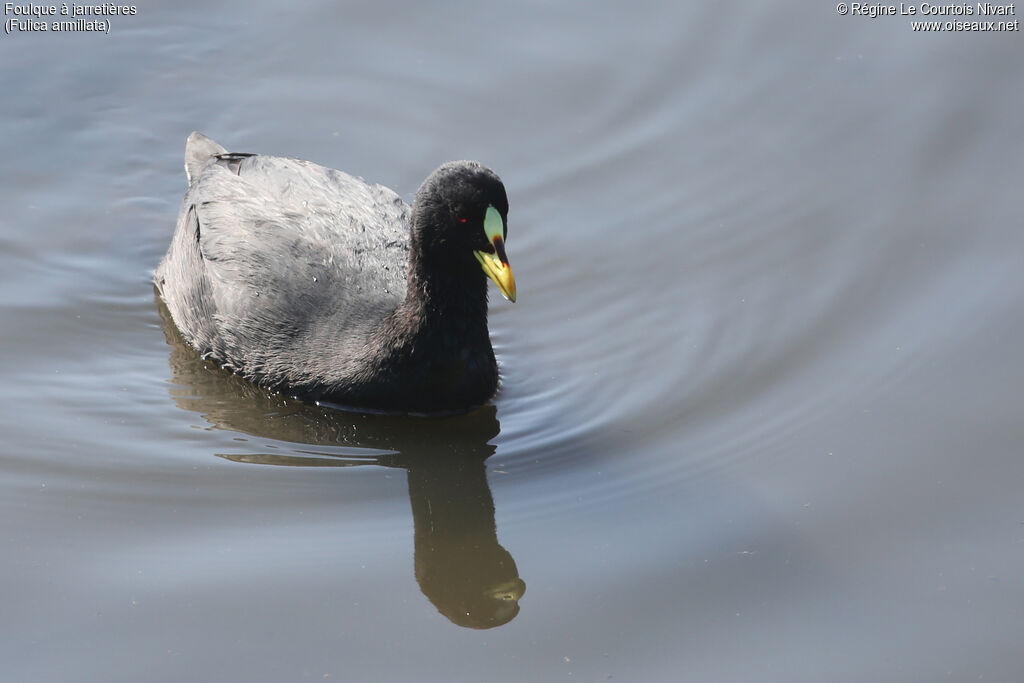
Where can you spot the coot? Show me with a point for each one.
(315, 283)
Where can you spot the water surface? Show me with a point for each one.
(760, 412)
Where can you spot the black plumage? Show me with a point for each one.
(312, 282)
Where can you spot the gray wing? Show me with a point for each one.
(275, 259)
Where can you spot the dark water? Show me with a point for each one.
(761, 411)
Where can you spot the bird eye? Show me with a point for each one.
(462, 219)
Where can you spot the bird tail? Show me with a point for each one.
(198, 150)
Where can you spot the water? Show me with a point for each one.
(760, 414)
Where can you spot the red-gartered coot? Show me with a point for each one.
(315, 283)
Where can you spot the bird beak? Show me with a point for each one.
(497, 268)
(496, 264)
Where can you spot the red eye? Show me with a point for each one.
(462, 220)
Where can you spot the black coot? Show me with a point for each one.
(312, 282)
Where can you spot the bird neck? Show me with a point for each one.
(446, 293)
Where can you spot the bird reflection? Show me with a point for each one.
(459, 564)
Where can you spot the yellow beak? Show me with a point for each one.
(497, 268)
(496, 264)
